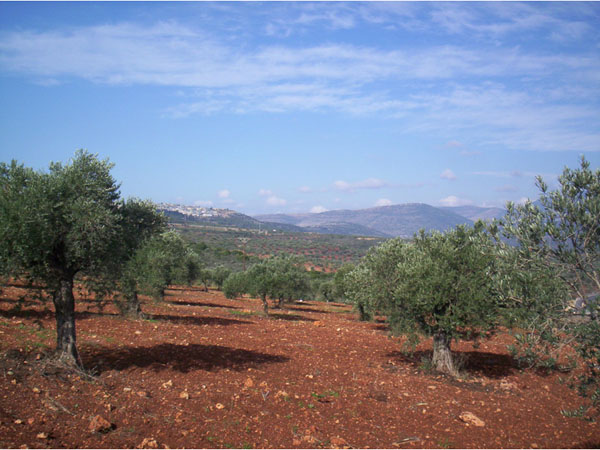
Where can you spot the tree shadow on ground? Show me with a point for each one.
(297, 308)
(290, 317)
(23, 313)
(187, 288)
(83, 315)
(182, 358)
(490, 365)
(199, 321)
(209, 305)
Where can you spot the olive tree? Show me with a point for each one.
(163, 260)
(439, 286)
(290, 279)
(235, 284)
(561, 239)
(371, 284)
(140, 223)
(59, 224)
(219, 275)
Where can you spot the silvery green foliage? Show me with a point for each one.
(556, 260)
(438, 285)
(63, 223)
(564, 229)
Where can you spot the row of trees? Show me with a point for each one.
(282, 278)
(523, 271)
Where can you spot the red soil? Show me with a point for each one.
(210, 372)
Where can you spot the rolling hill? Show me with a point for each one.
(394, 221)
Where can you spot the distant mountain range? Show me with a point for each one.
(386, 221)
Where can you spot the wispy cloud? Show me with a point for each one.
(383, 202)
(369, 183)
(273, 200)
(453, 200)
(448, 175)
(318, 209)
(512, 96)
(225, 193)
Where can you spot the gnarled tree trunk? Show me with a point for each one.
(132, 307)
(265, 304)
(66, 340)
(442, 357)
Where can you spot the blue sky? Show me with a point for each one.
(297, 107)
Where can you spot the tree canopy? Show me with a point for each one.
(438, 285)
(62, 223)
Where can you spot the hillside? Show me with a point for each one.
(229, 219)
(397, 220)
(475, 213)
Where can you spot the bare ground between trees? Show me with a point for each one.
(207, 372)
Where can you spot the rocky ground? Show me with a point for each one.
(206, 372)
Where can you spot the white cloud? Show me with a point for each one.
(448, 175)
(453, 200)
(203, 203)
(265, 192)
(225, 193)
(318, 209)
(369, 183)
(276, 201)
(534, 113)
(305, 189)
(522, 200)
(383, 202)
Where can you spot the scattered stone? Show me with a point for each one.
(138, 332)
(148, 443)
(281, 394)
(30, 421)
(248, 383)
(167, 384)
(42, 436)
(338, 442)
(99, 424)
(318, 323)
(534, 445)
(507, 385)
(431, 387)
(18, 421)
(219, 406)
(296, 442)
(471, 419)
(184, 395)
(309, 439)
(127, 389)
(142, 394)
(36, 390)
